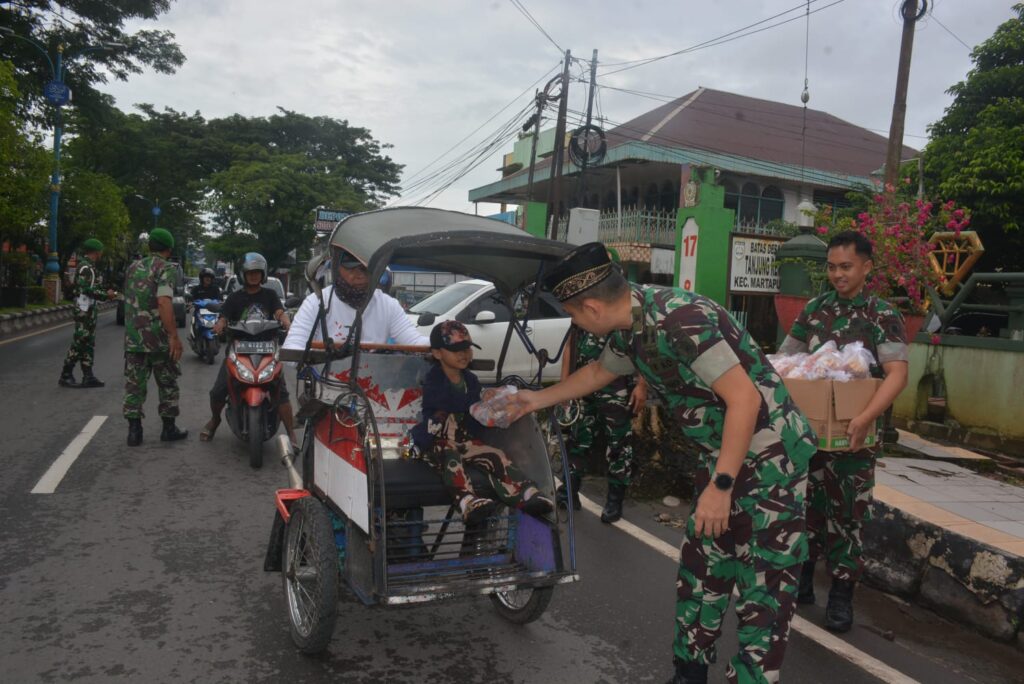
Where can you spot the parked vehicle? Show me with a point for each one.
(361, 514)
(253, 369)
(200, 334)
(481, 308)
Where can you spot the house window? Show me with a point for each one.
(771, 205)
(754, 207)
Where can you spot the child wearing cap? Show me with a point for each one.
(449, 437)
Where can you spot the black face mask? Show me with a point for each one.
(352, 296)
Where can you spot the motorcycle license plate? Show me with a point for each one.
(254, 347)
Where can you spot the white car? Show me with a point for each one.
(477, 305)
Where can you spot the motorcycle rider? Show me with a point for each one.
(253, 297)
(207, 288)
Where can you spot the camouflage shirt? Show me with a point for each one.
(865, 318)
(147, 279)
(682, 343)
(87, 282)
(588, 348)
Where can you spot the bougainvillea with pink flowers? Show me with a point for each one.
(899, 229)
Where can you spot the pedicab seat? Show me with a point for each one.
(413, 482)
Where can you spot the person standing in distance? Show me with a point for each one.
(151, 343)
(89, 292)
(839, 484)
(746, 528)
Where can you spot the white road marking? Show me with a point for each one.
(48, 482)
(866, 662)
(35, 332)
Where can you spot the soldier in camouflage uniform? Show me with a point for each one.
(151, 342)
(608, 412)
(89, 290)
(746, 529)
(840, 483)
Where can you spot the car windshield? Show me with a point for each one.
(444, 299)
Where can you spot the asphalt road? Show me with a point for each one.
(145, 565)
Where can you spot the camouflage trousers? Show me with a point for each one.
(839, 488)
(608, 414)
(760, 555)
(450, 456)
(83, 342)
(137, 367)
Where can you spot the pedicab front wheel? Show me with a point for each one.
(310, 575)
(521, 606)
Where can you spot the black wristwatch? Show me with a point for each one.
(724, 482)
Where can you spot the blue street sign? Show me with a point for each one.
(57, 93)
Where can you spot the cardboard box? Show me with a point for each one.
(830, 405)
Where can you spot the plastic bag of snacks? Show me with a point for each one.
(827, 363)
(494, 407)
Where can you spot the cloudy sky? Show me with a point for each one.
(423, 76)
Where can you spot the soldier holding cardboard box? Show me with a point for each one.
(839, 483)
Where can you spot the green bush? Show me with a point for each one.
(36, 294)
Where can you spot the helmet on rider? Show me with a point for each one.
(254, 261)
(206, 273)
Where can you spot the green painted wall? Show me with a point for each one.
(983, 387)
(536, 212)
(715, 224)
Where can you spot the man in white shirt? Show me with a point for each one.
(384, 320)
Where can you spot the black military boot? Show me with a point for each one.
(690, 673)
(805, 590)
(134, 431)
(613, 505)
(67, 376)
(839, 611)
(171, 433)
(90, 380)
(575, 481)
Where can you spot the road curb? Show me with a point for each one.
(960, 578)
(17, 323)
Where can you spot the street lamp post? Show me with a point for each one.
(156, 210)
(58, 94)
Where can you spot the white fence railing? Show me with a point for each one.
(647, 226)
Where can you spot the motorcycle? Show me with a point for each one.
(200, 334)
(253, 375)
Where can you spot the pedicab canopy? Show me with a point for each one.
(450, 241)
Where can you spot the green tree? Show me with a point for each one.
(976, 152)
(24, 183)
(230, 248)
(74, 25)
(92, 206)
(273, 198)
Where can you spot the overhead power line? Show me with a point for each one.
(494, 116)
(529, 17)
(946, 29)
(722, 39)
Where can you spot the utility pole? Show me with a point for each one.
(559, 147)
(533, 146)
(582, 189)
(911, 14)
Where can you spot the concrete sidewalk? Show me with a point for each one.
(949, 538)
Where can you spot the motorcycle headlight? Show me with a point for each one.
(267, 372)
(243, 371)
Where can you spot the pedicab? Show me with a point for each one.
(363, 514)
